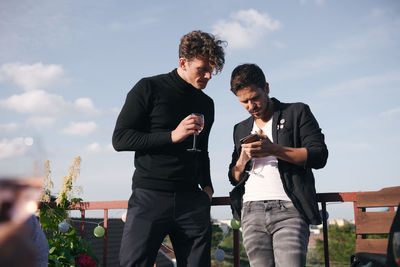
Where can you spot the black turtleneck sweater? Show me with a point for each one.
(152, 110)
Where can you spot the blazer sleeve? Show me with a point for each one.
(238, 132)
(312, 139)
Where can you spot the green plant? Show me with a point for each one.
(66, 247)
(224, 241)
(342, 240)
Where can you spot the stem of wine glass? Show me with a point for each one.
(194, 141)
(252, 167)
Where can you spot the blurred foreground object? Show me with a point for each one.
(18, 201)
(16, 249)
(19, 198)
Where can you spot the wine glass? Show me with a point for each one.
(254, 160)
(253, 167)
(194, 148)
(396, 247)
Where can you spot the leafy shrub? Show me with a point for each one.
(66, 247)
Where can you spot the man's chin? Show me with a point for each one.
(201, 86)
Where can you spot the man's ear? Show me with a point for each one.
(182, 62)
(267, 88)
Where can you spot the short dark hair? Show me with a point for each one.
(245, 75)
(201, 44)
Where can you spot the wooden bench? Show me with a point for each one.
(369, 222)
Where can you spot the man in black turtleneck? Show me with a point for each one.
(171, 186)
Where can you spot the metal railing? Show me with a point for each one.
(323, 198)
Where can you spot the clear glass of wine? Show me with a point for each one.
(194, 148)
(253, 168)
(396, 247)
(254, 162)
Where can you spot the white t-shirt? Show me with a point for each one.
(266, 183)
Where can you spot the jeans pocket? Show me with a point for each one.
(245, 210)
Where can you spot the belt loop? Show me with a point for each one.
(282, 204)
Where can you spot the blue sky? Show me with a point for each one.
(66, 67)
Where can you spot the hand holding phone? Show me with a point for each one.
(250, 139)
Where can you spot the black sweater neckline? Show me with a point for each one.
(182, 85)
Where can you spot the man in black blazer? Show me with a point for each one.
(274, 194)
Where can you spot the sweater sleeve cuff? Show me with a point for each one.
(163, 138)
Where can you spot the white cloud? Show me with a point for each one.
(41, 102)
(85, 105)
(278, 44)
(36, 101)
(377, 38)
(245, 28)
(309, 66)
(318, 2)
(351, 146)
(41, 121)
(352, 49)
(115, 111)
(80, 128)
(32, 77)
(13, 147)
(9, 127)
(363, 83)
(377, 12)
(395, 112)
(95, 148)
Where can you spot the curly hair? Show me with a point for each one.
(201, 44)
(245, 75)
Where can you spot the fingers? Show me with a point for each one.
(263, 137)
(188, 126)
(194, 124)
(257, 149)
(191, 124)
(197, 121)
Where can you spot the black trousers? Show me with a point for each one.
(184, 216)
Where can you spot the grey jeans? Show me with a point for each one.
(274, 234)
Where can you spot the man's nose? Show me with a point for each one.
(208, 75)
(250, 105)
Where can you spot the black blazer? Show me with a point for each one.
(293, 125)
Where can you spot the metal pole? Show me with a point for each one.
(105, 238)
(325, 231)
(236, 256)
(82, 223)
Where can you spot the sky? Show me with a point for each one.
(66, 67)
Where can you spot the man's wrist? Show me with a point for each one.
(237, 172)
(209, 191)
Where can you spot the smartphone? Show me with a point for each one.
(249, 139)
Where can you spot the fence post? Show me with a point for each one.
(325, 232)
(236, 256)
(105, 238)
(82, 223)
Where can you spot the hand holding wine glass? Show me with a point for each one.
(201, 119)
